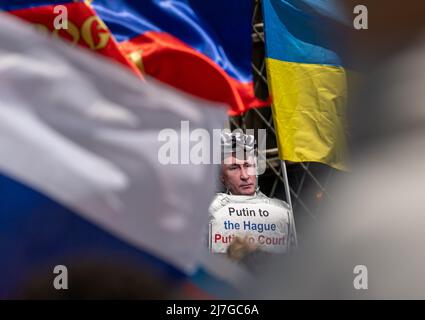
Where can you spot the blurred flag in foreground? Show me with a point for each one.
(201, 47)
(306, 80)
(80, 176)
(84, 27)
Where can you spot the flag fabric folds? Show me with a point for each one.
(79, 169)
(201, 47)
(84, 27)
(307, 81)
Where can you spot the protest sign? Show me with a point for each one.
(263, 225)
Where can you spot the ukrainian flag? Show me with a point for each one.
(306, 80)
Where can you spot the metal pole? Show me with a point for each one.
(292, 229)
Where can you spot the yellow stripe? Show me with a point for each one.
(309, 111)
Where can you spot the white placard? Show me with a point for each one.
(264, 225)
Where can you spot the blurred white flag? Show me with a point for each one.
(85, 133)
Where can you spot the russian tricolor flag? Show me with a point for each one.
(201, 47)
(80, 180)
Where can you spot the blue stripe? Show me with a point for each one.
(213, 286)
(36, 233)
(296, 31)
(331, 8)
(219, 29)
(8, 5)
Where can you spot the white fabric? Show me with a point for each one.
(83, 131)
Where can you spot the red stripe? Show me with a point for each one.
(175, 63)
(188, 290)
(83, 29)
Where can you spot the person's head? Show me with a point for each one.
(239, 175)
(238, 169)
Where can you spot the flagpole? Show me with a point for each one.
(292, 230)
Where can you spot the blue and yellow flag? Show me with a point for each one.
(306, 80)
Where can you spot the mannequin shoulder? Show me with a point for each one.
(220, 200)
(273, 201)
